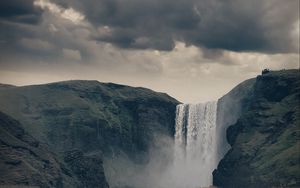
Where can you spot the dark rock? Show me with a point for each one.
(88, 169)
(24, 163)
(265, 140)
(21, 162)
(13, 162)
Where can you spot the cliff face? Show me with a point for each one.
(230, 108)
(27, 162)
(93, 118)
(23, 160)
(265, 139)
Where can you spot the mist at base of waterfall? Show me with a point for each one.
(159, 172)
(185, 161)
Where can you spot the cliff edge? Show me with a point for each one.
(265, 138)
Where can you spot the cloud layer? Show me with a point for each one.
(153, 43)
(234, 25)
(237, 25)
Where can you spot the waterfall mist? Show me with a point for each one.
(185, 161)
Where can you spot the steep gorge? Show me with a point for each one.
(79, 124)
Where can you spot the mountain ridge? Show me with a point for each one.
(93, 117)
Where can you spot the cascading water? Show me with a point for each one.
(195, 145)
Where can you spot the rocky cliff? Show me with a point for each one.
(229, 109)
(86, 119)
(25, 161)
(265, 138)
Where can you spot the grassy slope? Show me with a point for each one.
(90, 115)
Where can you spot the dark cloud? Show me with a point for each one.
(128, 38)
(213, 25)
(17, 20)
(22, 11)
(236, 25)
(113, 40)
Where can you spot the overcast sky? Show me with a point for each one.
(194, 50)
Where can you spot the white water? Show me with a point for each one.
(189, 166)
(195, 144)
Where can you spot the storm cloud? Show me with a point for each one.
(22, 11)
(150, 43)
(235, 25)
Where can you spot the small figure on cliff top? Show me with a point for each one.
(265, 71)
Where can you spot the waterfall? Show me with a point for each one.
(195, 143)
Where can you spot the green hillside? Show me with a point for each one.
(89, 117)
